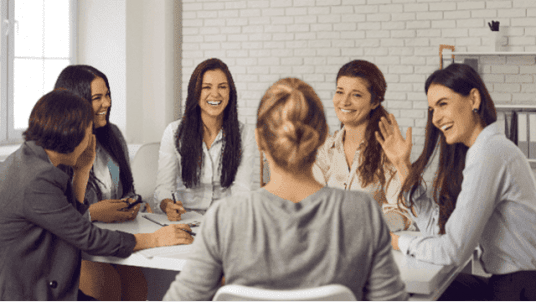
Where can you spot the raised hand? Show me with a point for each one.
(396, 148)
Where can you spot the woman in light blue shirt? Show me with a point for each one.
(484, 192)
(208, 154)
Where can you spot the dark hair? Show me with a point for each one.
(373, 159)
(291, 123)
(77, 79)
(189, 135)
(58, 121)
(461, 79)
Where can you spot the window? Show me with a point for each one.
(37, 42)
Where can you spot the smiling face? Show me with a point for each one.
(453, 114)
(214, 94)
(100, 99)
(352, 101)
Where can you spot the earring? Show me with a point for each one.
(475, 110)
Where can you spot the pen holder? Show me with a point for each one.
(497, 40)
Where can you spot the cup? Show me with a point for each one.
(497, 40)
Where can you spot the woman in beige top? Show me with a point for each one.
(352, 159)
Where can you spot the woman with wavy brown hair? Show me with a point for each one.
(484, 191)
(289, 233)
(352, 159)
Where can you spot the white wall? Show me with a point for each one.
(101, 43)
(135, 44)
(264, 40)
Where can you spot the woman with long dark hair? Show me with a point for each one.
(484, 191)
(208, 154)
(294, 232)
(352, 159)
(110, 182)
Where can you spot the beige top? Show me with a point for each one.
(332, 170)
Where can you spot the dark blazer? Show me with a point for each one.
(43, 229)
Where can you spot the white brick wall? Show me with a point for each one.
(264, 40)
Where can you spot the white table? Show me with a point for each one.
(424, 281)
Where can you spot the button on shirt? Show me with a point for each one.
(209, 189)
(496, 207)
(331, 169)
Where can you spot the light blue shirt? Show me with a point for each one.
(496, 208)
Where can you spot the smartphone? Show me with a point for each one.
(137, 199)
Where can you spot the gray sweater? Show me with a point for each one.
(262, 240)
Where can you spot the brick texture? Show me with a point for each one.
(262, 41)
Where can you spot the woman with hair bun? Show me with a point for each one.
(289, 233)
(352, 159)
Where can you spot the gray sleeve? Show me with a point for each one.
(384, 282)
(57, 215)
(201, 276)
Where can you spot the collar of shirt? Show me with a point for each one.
(487, 132)
(337, 139)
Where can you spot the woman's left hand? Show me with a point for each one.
(86, 159)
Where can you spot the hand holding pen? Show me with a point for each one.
(173, 208)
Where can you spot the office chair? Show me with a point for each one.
(331, 292)
(144, 168)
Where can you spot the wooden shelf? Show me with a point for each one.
(490, 53)
(516, 107)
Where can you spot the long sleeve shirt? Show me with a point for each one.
(43, 229)
(496, 208)
(262, 240)
(331, 169)
(209, 189)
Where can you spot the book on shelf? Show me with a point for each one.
(532, 135)
(522, 133)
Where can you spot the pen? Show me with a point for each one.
(150, 219)
(163, 224)
(174, 200)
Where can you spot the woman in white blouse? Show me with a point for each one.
(208, 154)
(352, 159)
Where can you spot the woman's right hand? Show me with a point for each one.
(172, 210)
(111, 210)
(173, 234)
(396, 148)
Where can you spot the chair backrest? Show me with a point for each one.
(144, 168)
(331, 292)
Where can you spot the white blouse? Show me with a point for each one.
(209, 189)
(332, 170)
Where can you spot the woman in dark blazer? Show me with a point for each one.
(44, 224)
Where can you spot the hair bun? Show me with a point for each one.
(298, 140)
(292, 124)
